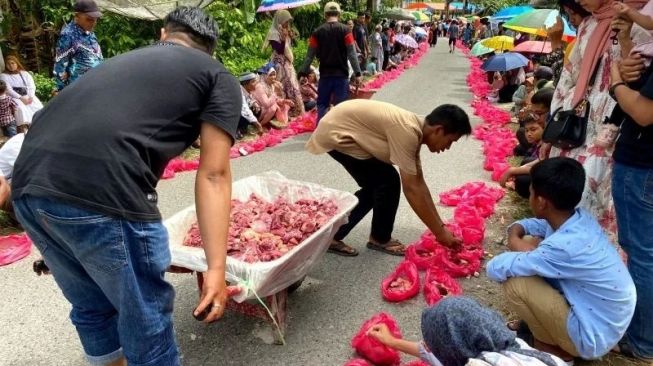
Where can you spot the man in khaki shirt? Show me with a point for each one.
(368, 137)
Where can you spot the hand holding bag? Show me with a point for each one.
(568, 129)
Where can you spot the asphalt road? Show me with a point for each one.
(337, 297)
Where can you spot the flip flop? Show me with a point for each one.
(340, 248)
(627, 351)
(393, 243)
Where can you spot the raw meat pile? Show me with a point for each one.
(261, 231)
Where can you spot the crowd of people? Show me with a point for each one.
(562, 275)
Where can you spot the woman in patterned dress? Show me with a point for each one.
(594, 45)
(279, 39)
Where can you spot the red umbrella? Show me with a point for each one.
(533, 47)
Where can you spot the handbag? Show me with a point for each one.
(567, 130)
(21, 90)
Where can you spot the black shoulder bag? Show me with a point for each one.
(21, 90)
(568, 129)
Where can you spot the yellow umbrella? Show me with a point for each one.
(502, 43)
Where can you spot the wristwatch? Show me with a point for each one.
(614, 87)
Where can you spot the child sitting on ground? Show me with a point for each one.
(371, 68)
(529, 147)
(308, 90)
(567, 282)
(7, 111)
(459, 331)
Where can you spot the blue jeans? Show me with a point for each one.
(632, 190)
(10, 131)
(331, 90)
(112, 272)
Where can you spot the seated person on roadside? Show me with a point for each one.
(449, 339)
(8, 109)
(371, 68)
(530, 147)
(250, 110)
(522, 96)
(566, 281)
(271, 105)
(8, 155)
(308, 90)
(368, 138)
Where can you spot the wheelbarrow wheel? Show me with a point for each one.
(292, 288)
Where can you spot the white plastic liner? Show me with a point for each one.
(266, 278)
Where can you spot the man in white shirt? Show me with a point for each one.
(8, 154)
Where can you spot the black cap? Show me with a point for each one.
(88, 7)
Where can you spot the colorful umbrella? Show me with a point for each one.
(406, 41)
(479, 50)
(272, 5)
(536, 22)
(533, 47)
(414, 6)
(511, 12)
(421, 17)
(504, 62)
(422, 31)
(501, 43)
(398, 14)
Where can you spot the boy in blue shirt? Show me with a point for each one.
(572, 290)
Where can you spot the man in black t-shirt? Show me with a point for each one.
(84, 187)
(333, 44)
(632, 191)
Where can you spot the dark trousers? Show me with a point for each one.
(330, 90)
(386, 59)
(380, 191)
(523, 181)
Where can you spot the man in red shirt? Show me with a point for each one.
(333, 44)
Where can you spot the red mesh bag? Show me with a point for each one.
(458, 264)
(438, 284)
(14, 248)
(402, 283)
(357, 362)
(373, 350)
(422, 253)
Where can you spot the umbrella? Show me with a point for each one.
(504, 62)
(406, 40)
(414, 6)
(533, 47)
(398, 14)
(422, 31)
(511, 12)
(479, 50)
(272, 5)
(536, 22)
(499, 43)
(421, 17)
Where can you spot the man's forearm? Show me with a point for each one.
(635, 105)
(213, 204)
(353, 59)
(310, 55)
(420, 201)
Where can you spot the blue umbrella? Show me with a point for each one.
(504, 62)
(511, 12)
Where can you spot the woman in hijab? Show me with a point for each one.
(458, 331)
(279, 38)
(597, 46)
(21, 87)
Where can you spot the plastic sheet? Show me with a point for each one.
(266, 278)
(14, 248)
(438, 284)
(402, 284)
(373, 350)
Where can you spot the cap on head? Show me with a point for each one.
(247, 76)
(88, 7)
(332, 7)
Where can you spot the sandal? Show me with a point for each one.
(340, 248)
(624, 349)
(393, 247)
